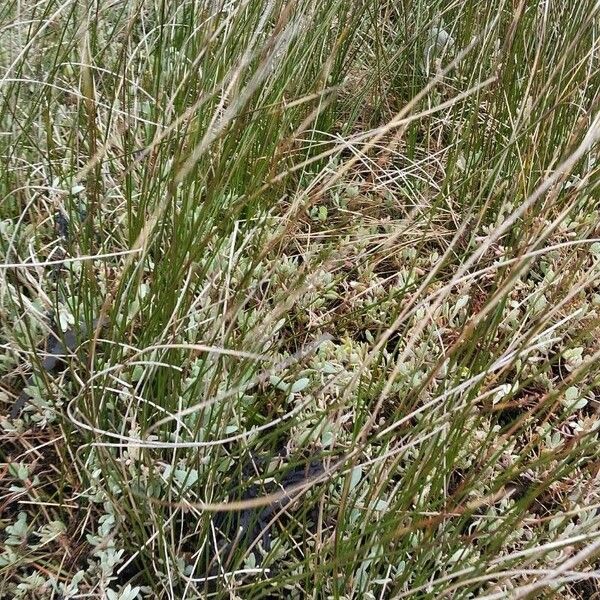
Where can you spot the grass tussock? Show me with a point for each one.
(299, 299)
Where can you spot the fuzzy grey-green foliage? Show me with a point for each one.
(348, 258)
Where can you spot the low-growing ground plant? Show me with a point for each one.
(299, 299)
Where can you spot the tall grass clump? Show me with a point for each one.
(299, 299)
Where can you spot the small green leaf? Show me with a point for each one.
(352, 191)
(539, 303)
(330, 368)
(571, 394)
(129, 593)
(279, 383)
(300, 385)
(322, 214)
(19, 471)
(355, 476)
(327, 438)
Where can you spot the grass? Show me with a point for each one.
(339, 268)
